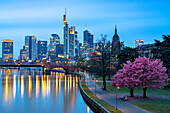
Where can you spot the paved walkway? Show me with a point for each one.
(103, 95)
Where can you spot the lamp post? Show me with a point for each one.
(95, 86)
(116, 97)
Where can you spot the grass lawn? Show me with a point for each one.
(158, 100)
(106, 105)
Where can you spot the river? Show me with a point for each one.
(28, 91)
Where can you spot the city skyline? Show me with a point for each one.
(146, 20)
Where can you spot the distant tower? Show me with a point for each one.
(116, 41)
(66, 36)
(54, 40)
(7, 49)
(88, 42)
(31, 47)
(42, 49)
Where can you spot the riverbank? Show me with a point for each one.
(158, 100)
(95, 102)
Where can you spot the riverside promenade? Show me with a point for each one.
(111, 99)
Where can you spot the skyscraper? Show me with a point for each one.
(42, 49)
(31, 47)
(23, 54)
(116, 41)
(7, 49)
(66, 36)
(76, 44)
(60, 51)
(54, 40)
(139, 43)
(72, 41)
(88, 43)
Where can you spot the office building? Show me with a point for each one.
(88, 43)
(76, 44)
(42, 49)
(51, 55)
(7, 49)
(139, 43)
(54, 40)
(66, 36)
(72, 41)
(60, 51)
(81, 50)
(23, 54)
(31, 47)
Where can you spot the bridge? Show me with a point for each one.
(21, 65)
(46, 67)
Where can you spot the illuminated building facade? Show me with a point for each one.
(60, 51)
(139, 43)
(72, 41)
(76, 45)
(23, 54)
(81, 50)
(66, 36)
(7, 49)
(116, 41)
(88, 43)
(42, 49)
(54, 40)
(31, 47)
(51, 55)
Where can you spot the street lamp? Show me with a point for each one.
(116, 97)
(95, 87)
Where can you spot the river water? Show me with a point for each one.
(28, 91)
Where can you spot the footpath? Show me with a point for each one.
(111, 99)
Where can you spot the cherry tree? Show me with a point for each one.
(142, 73)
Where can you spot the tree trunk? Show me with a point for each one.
(104, 82)
(144, 92)
(131, 93)
(109, 76)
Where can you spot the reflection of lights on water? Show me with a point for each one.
(68, 83)
(88, 109)
(14, 86)
(56, 85)
(65, 85)
(73, 83)
(43, 86)
(76, 79)
(6, 89)
(18, 82)
(30, 86)
(59, 84)
(47, 86)
(22, 86)
(37, 86)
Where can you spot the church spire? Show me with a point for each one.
(115, 29)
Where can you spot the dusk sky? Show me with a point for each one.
(135, 19)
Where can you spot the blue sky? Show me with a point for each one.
(135, 19)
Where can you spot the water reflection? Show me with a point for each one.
(56, 92)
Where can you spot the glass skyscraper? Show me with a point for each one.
(76, 45)
(31, 47)
(7, 49)
(88, 43)
(72, 41)
(66, 37)
(42, 49)
(54, 40)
